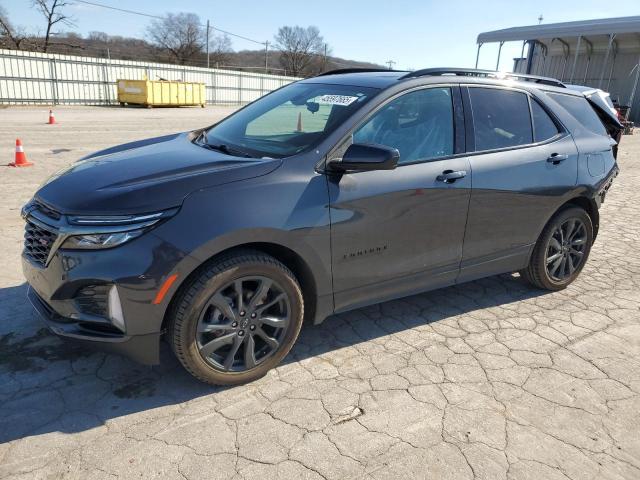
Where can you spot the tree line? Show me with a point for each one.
(180, 38)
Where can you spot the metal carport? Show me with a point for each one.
(602, 53)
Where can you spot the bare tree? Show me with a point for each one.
(51, 10)
(180, 34)
(9, 36)
(97, 36)
(220, 50)
(298, 46)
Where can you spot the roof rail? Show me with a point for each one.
(356, 70)
(472, 72)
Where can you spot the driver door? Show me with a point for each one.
(395, 232)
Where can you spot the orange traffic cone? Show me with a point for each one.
(21, 158)
(52, 119)
(299, 126)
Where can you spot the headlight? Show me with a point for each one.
(99, 232)
(100, 240)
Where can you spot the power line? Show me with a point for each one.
(209, 27)
(142, 14)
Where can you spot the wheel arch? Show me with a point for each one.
(587, 204)
(581, 201)
(291, 259)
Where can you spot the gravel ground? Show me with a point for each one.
(487, 380)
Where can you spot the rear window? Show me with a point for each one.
(501, 118)
(580, 109)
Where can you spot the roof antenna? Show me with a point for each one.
(540, 19)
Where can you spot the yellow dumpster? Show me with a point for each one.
(160, 93)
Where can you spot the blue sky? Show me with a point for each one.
(415, 34)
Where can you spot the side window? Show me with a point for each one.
(419, 124)
(500, 118)
(543, 127)
(579, 107)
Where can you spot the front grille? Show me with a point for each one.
(37, 243)
(93, 299)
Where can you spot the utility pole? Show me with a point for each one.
(266, 56)
(207, 43)
(540, 19)
(391, 63)
(324, 60)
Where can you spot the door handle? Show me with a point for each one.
(556, 158)
(450, 176)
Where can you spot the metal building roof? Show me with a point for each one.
(602, 26)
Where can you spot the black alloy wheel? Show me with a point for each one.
(566, 249)
(243, 324)
(236, 318)
(561, 251)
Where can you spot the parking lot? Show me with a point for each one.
(486, 380)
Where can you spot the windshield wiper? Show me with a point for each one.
(201, 140)
(228, 150)
(202, 136)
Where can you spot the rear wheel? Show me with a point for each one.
(238, 319)
(561, 250)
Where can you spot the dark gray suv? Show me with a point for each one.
(329, 194)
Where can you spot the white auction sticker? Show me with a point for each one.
(343, 100)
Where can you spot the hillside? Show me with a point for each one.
(98, 44)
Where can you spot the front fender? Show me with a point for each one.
(285, 209)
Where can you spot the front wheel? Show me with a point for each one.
(238, 319)
(561, 250)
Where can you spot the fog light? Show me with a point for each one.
(115, 309)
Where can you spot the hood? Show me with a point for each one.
(145, 176)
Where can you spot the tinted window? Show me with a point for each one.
(543, 126)
(581, 110)
(419, 124)
(500, 117)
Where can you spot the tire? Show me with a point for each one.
(208, 312)
(557, 276)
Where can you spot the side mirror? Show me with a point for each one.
(361, 157)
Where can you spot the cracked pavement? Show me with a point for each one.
(487, 380)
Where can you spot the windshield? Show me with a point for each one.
(288, 121)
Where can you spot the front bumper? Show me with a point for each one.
(136, 270)
(143, 349)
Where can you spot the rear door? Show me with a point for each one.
(523, 162)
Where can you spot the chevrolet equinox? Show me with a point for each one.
(331, 193)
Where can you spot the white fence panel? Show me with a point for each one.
(40, 78)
